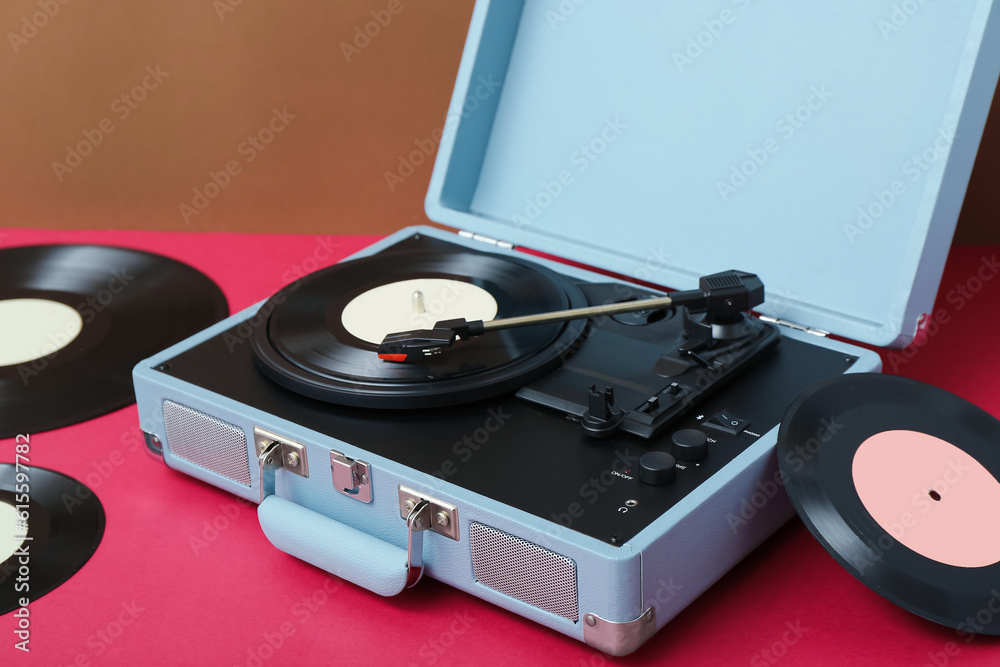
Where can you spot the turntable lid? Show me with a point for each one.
(824, 146)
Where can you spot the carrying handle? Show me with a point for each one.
(344, 551)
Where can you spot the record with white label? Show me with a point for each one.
(319, 336)
(898, 480)
(50, 526)
(77, 318)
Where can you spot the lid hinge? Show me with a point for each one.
(486, 239)
(793, 325)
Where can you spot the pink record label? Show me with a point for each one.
(931, 496)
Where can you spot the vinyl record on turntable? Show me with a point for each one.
(321, 334)
(77, 318)
(48, 537)
(898, 480)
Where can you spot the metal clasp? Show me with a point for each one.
(444, 516)
(273, 452)
(417, 522)
(422, 512)
(351, 477)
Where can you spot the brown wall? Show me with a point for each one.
(980, 220)
(228, 63)
(324, 172)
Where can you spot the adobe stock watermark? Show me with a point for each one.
(767, 489)
(666, 591)
(470, 443)
(656, 259)
(32, 23)
(121, 108)
(248, 149)
(920, 504)
(480, 90)
(958, 297)
(301, 612)
(967, 630)
(913, 170)
(364, 34)
(19, 562)
(592, 490)
(562, 13)
(104, 467)
(212, 529)
(433, 649)
(321, 256)
(434, 308)
(580, 161)
(900, 16)
(101, 640)
(703, 40)
(89, 310)
(772, 654)
(785, 128)
(223, 7)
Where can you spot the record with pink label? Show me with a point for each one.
(898, 481)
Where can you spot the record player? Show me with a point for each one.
(520, 409)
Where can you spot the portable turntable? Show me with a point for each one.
(418, 409)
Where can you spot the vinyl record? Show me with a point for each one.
(60, 538)
(306, 346)
(77, 318)
(898, 481)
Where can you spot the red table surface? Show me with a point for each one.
(185, 576)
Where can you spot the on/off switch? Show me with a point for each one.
(726, 422)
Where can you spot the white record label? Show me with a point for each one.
(33, 328)
(417, 303)
(11, 536)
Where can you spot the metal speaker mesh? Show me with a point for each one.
(524, 571)
(207, 442)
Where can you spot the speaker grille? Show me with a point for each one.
(524, 571)
(207, 442)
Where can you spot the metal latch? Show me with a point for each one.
(416, 523)
(275, 451)
(351, 477)
(444, 516)
(422, 513)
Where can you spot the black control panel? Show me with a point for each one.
(536, 459)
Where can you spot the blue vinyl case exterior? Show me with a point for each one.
(538, 80)
(615, 583)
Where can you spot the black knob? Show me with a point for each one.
(657, 468)
(690, 445)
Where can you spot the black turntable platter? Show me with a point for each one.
(77, 318)
(306, 343)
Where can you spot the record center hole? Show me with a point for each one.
(934, 495)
